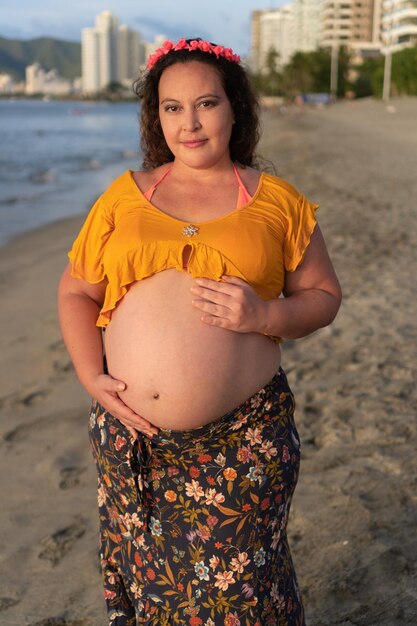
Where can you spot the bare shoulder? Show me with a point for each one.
(250, 178)
(145, 179)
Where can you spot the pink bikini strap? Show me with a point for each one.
(243, 198)
(149, 192)
(244, 195)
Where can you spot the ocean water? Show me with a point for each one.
(57, 157)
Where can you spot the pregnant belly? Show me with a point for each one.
(179, 372)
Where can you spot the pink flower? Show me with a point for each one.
(204, 46)
(204, 533)
(182, 43)
(218, 50)
(212, 520)
(285, 454)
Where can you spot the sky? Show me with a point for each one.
(226, 22)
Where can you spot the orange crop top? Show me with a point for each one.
(125, 238)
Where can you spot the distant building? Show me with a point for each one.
(6, 83)
(90, 64)
(357, 25)
(128, 53)
(109, 53)
(49, 82)
(272, 30)
(399, 24)
(255, 41)
(307, 24)
(296, 26)
(35, 76)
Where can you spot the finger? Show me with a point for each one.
(134, 428)
(235, 280)
(209, 295)
(214, 286)
(210, 307)
(133, 432)
(212, 320)
(112, 384)
(121, 410)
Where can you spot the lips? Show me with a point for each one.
(194, 143)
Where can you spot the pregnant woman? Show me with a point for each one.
(192, 424)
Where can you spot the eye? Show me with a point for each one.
(206, 104)
(173, 108)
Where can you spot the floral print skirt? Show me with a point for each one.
(193, 523)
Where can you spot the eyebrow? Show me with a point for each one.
(206, 95)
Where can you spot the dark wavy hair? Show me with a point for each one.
(245, 132)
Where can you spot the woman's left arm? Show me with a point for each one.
(312, 295)
(312, 299)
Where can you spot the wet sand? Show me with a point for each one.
(353, 519)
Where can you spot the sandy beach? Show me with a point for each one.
(353, 522)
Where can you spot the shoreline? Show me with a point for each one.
(292, 112)
(352, 520)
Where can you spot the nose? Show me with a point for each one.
(191, 120)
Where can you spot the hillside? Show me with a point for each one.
(16, 54)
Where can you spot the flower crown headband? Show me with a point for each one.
(192, 45)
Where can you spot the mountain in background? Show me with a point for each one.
(16, 54)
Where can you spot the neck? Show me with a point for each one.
(181, 171)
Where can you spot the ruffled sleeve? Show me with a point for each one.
(86, 255)
(301, 220)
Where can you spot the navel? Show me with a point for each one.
(156, 396)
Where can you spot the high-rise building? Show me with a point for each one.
(90, 66)
(307, 24)
(272, 30)
(110, 53)
(107, 28)
(128, 53)
(399, 24)
(254, 56)
(353, 24)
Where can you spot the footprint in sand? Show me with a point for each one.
(34, 397)
(63, 364)
(56, 546)
(62, 367)
(70, 477)
(6, 603)
(27, 398)
(21, 432)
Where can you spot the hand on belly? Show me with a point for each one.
(107, 391)
(179, 372)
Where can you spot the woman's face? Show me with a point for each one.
(195, 114)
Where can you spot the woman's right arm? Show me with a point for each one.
(79, 303)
